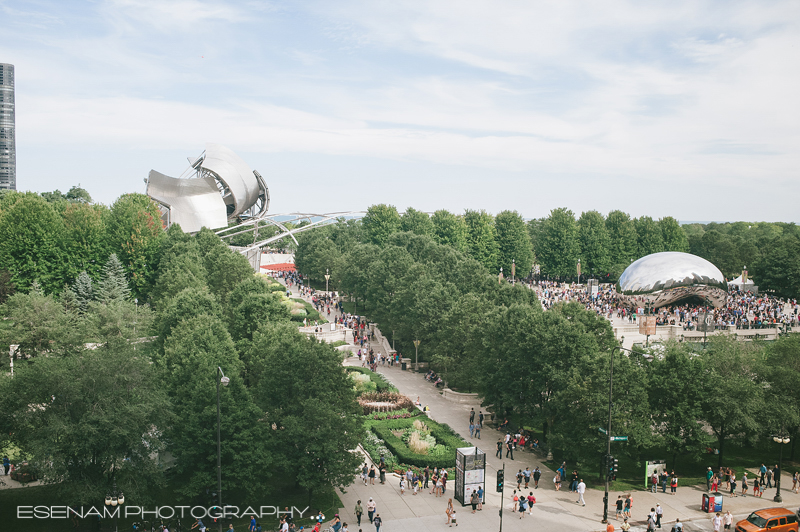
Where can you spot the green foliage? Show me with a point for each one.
(31, 237)
(134, 232)
(83, 291)
(314, 410)
(674, 236)
(381, 384)
(594, 243)
(558, 249)
(88, 419)
(112, 286)
(417, 222)
(189, 303)
(226, 269)
(380, 222)
(623, 241)
(449, 230)
(648, 236)
(85, 241)
(779, 269)
(194, 350)
(481, 239)
(253, 313)
(514, 243)
(443, 434)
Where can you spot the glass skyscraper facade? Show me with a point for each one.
(8, 148)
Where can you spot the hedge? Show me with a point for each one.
(443, 433)
(311, 312)
(380, 381)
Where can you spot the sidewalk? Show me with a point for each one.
(553, 511)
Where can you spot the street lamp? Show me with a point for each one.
(781, 439)
(221, 379)
(579, 271)
(327, 277)
(416, 355)
(115, 498)
(513, 271)
(608, 428)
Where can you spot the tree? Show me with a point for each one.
(674, 236)
(39, 324)
(676, 397)
(117, 322)
(623, 240)
(113, 285)
(84, 291)
(85, 240)
(731, 365)
(189, 303)
(481, 238)
(558, 253)
(782, 370)
(316, 425)
(449, 230)
(648, 236)
(31, 235)
(779, 270)
(594, 243)
(77, 194)
(134, 232)
(514, 243)
(226, 269)
(254, 312)
(416, 222)
(380, 222)
(194, 350)
(87, 420)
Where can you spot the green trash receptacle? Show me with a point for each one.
(403, 366)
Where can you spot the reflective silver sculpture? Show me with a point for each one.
(220, 187)
(671, 277)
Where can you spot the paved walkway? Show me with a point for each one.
(553, 511)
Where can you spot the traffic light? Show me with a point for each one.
(499, 481)
(610, 465)
(615, 467)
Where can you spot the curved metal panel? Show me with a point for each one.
(242, 186)
(665, 278)
(193, 203)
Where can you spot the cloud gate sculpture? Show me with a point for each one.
(218, 187)
(672, 277)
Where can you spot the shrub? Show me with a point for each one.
(380, 381)
(442, 454)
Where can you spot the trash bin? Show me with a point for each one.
(403, 366)
(717, 498)
(708, 503)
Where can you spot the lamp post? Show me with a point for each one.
(327, 277)
(608, 428)
(579, 271)
(500, 277)
(221, 379)
(781, 439)
(416, 355)
(115, 498)
(393, 340)
(513, 271)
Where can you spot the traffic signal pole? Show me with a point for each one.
(501, 475)
(608, 435)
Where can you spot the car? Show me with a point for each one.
(772, 519)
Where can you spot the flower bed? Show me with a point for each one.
(383, 402)
(381, 384)
(440, 445)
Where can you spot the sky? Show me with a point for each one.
(676, 108)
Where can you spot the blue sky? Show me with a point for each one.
(685, 109)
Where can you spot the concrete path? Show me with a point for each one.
(553, 511)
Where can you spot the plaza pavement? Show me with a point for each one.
(553, 510)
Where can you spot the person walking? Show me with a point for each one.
(449, 511)
(377, 522)
(478, 431)
(471, 429)
(359, 511)
(480, 498)
(480, 419)
(673, 485)
(537, 474)
(510, 449)
(371, 509)
(471, 416)
(581, 488)
(709, 476)
(620, 503)
(6, 464)
(473, 500)
(527, 475)
(659, 514)
(499, 453)
(727, 520)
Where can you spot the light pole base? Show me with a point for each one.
(778, 498)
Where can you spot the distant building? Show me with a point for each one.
(8, 147)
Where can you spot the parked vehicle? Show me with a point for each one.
(772, 519)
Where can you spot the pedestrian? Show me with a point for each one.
(509, 449)
(371, 509)
(480, 419)
(253, 524)
(471, 416)
(733, 484)
(581, 488)
(537, 474)
(654, 482)
(523, 505)
(763, 471)
(402, 485)
(531, 502)
(727, 520)
(359, 511)
(382, 470)
(756, 487)
(769, 478)
(449, 511)
(625, 526)
(473, 500)
(659, 514)
(620, 502)
(714, 483)
(709, 476)
(480, 498)
(377, 522)
(557, 481)
(499, 453)
(516, 500)
(678, 527)
(651, 522)
(6, 464)
(527, 475)
(364, 472)
(471, 430)
(520, 477)
(795, 480)
(673, 485)
(478, 431)
(716, 522)
(664, 481)
(628, 506)
(744, 484)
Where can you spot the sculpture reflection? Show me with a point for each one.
(672, 277)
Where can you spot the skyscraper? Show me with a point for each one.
(8, 148)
